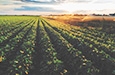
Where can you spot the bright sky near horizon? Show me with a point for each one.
(40, 7)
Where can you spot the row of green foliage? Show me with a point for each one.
(74, 61)
(89, 46)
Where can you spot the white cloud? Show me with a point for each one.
(89, 6)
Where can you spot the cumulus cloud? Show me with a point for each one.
(39, 1)
(56, 1)
(40, 9)
(56, 6)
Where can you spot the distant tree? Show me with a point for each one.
(112, 14)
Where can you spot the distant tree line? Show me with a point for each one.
(112, 14)
(94, 14)
(103, 14)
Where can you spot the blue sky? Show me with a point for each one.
(42, 7)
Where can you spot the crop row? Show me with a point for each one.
(74, 61)
(96, 54)
(34, 45)
(17, 52)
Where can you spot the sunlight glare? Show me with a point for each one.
(69, 7)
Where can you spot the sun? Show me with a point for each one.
(68, 7)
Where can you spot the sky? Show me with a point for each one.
(46, 7)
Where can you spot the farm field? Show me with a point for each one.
(33, 45)
(102, 23)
